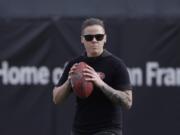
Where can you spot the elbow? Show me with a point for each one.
(54, 101)
(125, 105)
(129, 101)
(54, 94)
(128, 105)
(58, 97)
(54, 98)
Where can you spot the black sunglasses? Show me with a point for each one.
(98, 37)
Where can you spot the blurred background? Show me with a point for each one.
(38, 37)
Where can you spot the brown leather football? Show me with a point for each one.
(81, 87)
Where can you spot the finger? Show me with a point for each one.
(90, 79)
(88, 71)
(88, 75)
(71, 72)
(72, 69)
(89, 67)
(74, 66)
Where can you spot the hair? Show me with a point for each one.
(90, 22)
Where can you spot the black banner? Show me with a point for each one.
(34, 51)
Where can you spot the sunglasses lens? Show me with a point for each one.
(98, 37)
(88, 37)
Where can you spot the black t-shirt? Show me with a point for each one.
(97, 112)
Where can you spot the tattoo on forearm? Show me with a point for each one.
(115, 96)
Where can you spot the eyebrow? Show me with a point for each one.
(95, 34)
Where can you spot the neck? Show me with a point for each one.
(95, 54)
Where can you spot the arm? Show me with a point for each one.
(116, 96)
(61, 93)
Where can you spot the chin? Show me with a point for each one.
(95, 53)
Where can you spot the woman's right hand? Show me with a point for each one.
(72, 71)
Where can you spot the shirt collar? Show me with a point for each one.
(104, 54)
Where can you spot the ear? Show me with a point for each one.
(105, 38)
(82, 39)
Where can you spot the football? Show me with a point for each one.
(81, 87)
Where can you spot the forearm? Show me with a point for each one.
(117, 96)
(61, 93)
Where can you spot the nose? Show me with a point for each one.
(94, 39)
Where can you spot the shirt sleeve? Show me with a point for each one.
(64, 75)
(121, 77)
